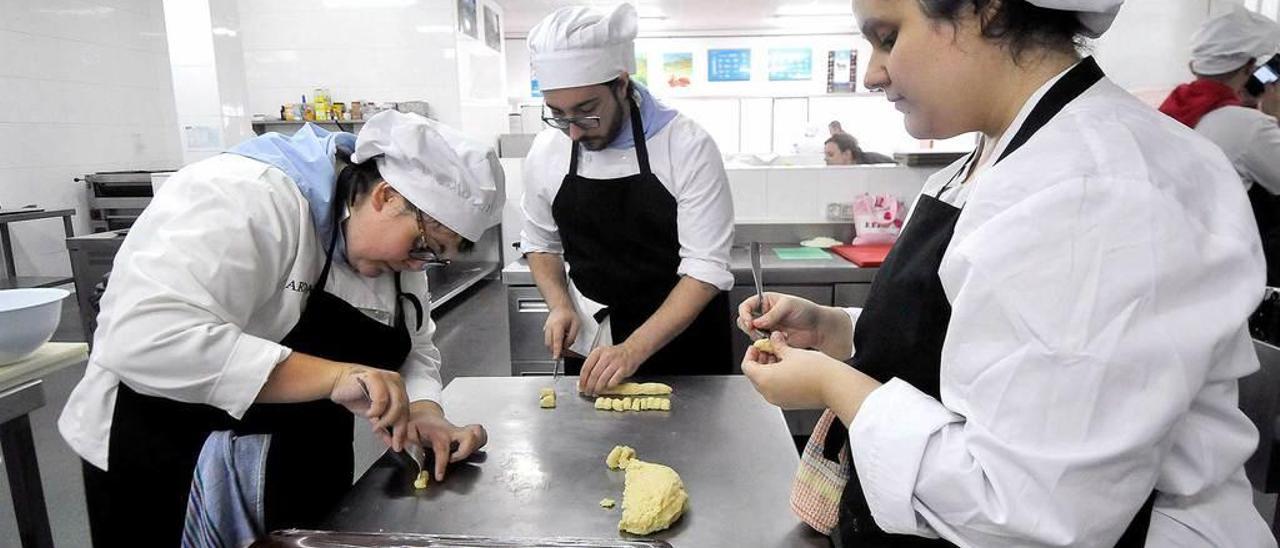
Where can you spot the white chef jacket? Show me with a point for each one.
(1251, 140)
(1100, 278)
(683, 157)
(211, 277)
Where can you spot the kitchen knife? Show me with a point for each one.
(414, 451)
(757, 276)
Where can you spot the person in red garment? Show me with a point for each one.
(1230, 54)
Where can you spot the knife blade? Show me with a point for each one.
(414, 451)
(757, 276)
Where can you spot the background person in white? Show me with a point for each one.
(257, 293)
(1089, 295)
(1225, 51)
(635, 198)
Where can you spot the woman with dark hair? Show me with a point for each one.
(276, 290)
(842, 149)
(1049, 356)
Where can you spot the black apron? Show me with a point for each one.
(155, 442)
(621, 241)
(902, 327)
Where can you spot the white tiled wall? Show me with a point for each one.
(85, 87)
(482, 81)
(208, 76)
(374, 50)
(370, 51)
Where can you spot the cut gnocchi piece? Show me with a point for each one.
(547, 398)
(646, 403)
(763, 345)
(639, 389)
(619, 457)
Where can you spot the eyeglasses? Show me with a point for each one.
(563, 123)
(423, 252)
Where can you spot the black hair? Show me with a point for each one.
(616, 83)
(846, 143)
(1019, 25)
(357, 181)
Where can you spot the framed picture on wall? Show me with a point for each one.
(492, 29)
(678, 68)
(728, 65)
(467, 18)
(786, 64)
(842, 71)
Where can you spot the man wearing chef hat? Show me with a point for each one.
(1227, 53)
(277, 289)
(1051, 354)
(634, 197)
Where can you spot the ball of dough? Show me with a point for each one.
(653, 497)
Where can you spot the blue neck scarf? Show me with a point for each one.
(307, 158)
(653, 115)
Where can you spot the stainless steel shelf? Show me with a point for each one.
(444, 286)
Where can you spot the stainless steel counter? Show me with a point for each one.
(834, 270)
(543, 472)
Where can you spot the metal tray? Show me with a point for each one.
(290, 538)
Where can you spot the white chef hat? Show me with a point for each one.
(442, 172)
(1228, 41)
(1095, 15)
(579, 46)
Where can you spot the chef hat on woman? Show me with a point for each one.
(449, 176)
(1095, 15)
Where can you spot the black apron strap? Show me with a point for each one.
(413, 300)
(341, 195)
(1072, 85)
(573, 160)
(637, 133)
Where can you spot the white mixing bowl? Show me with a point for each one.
(28, 317)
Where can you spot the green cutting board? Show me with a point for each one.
(801, 253)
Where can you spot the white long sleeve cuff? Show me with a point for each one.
(708, 271)
(887, 440)
(251, 362)
(854, 313)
